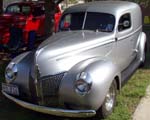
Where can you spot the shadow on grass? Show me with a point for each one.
(11, 111)
(147, 62)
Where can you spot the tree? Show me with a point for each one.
(1, 6)
(50, 6)
(145, 3)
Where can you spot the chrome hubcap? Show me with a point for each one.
(110, 99)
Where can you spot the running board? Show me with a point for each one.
(128, 72)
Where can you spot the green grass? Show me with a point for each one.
(131, 94)
(127, 100)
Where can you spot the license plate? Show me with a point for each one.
(10, 89)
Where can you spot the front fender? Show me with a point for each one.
(102, 73)
(20, 57)
(24, 64)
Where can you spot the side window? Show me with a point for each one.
(72, 21)
(124, 22)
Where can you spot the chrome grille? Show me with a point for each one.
(50, 84)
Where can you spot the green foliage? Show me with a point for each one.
(131, 94)
(142, 2)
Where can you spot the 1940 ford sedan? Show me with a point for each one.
(77, 72)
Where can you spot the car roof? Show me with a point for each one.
(112, 7)
(31, 3)
(116, 8)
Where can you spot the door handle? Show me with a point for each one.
(116, 39)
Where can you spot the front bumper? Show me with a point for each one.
(52, 111)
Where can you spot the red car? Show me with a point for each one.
(28, 16)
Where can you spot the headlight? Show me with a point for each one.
(83, 83)
(11, 72)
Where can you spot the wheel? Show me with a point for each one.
(109, 102)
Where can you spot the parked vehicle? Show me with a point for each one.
(27, 16)
(77, 71)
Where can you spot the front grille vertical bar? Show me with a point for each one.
(38, 86)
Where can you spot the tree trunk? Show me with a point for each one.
(49, 15)
(49, 19)
(1, 6)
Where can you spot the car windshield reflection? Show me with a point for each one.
(18, 9)
(93, 21)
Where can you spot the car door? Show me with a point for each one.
(125, 41)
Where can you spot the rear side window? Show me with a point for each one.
(124, 22)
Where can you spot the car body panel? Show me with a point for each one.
(67, 52)
(99, 70)
(51, 72)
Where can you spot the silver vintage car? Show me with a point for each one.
(77, 71)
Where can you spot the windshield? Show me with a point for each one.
(73, 21)
(16, 9)
(93, 21)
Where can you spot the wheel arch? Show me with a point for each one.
(103, 72)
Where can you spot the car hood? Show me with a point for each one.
(65, 49)
(66, 42)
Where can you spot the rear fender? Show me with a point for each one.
(141, 44)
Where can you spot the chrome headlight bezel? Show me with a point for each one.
(83, 83)
(11, 72)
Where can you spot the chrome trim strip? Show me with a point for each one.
(52, 111)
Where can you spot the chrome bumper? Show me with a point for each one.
(52, 111)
